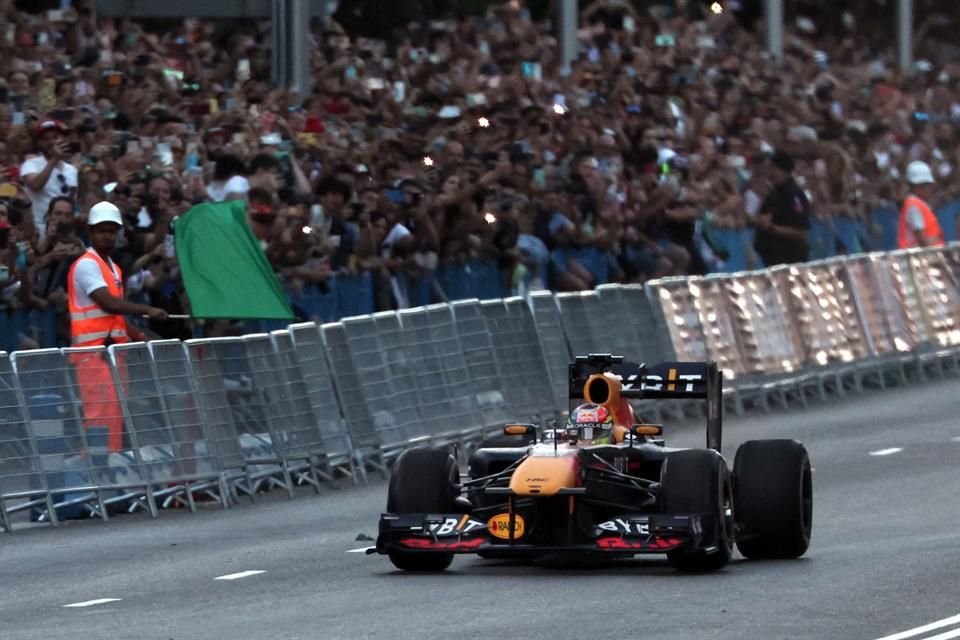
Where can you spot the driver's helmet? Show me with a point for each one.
(590, 424)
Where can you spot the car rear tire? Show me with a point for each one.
(423, 481)
(698, 481)
(774, 498)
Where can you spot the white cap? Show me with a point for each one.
(104, 212)
(919, 173)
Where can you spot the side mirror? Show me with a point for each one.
(520, 430)
(640, 430)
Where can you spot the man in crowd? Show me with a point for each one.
(98, 313)
(784, 218)
(48, 175)
(919, 226)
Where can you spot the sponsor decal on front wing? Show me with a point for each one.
(626, 526)
(499, 526)
(454, 526)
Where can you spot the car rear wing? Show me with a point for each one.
(604, 378)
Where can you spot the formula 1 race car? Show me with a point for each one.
(557, 493)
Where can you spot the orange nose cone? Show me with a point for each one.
(544, 476)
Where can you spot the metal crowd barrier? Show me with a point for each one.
(94, 432)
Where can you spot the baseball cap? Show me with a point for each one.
(104, 212)
(48, 125)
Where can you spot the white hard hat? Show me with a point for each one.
(104, 212)
(919, 173)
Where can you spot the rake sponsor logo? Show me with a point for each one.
(931, 631)
(499, 526)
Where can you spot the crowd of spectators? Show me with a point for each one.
(463, 141)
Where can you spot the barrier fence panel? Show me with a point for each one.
(833, 278)
(520, 359)
(293, 431)
(186, 413)
(907, 297)
(443, 334)
(168, 429)
(612, 323)
(672, 301)
(303, 438)
(829, 326)
(720, 337)
(874, 313)
(251, 406)
(818, 299)
(480, 361)
(218, 413)
(353, 404)
(768, 343)
(939, 294)
(951, 254)
(310, 354)
(582, 322)
(387, 378)
(553, 343)
(622, 324)
(532, 353)
(882, 323)
(90, 459)
(23, 483)
(400, 414)
(446, 397)
(652, 340)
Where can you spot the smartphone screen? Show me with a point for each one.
(165, 154)
(243, 70)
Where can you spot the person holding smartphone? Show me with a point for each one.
(48, 175)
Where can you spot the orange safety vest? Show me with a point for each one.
(91, 326)
(906, 237)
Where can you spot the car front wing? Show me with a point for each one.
(461, 533)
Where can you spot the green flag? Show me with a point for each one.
(224, 270)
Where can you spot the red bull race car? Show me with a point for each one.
(604, 484)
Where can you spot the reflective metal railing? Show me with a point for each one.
(90, 432)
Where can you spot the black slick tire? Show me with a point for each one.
(423, 481)
(774, 498)
(698, 481)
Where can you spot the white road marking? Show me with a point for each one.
(956, 439)
(886, 452)
(946, 622)
(90, 603)
(946, 635)
(237, 576)
(360, 550)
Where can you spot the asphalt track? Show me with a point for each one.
(885, 558)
